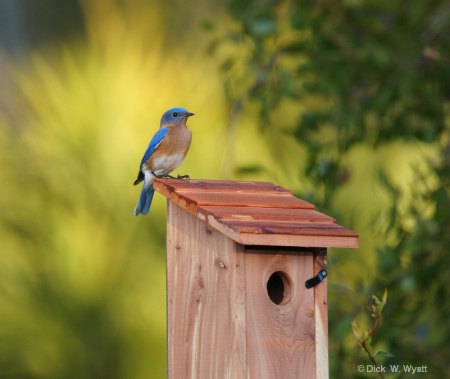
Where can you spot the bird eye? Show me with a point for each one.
(174, 114)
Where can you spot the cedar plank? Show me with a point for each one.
(296, 240)
(300, 228)
(247, 200)
(194, 185)
(191, 200)
(267, 214)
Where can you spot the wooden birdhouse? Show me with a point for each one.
(246, 281)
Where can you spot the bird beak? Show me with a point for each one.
(189, 114)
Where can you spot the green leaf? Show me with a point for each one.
(383, 354)
(295, 47)
(356, 331)
(238, 8)
(261, 27)
(208, 25)
(377, 305)
(245, 170)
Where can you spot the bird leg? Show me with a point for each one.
(186, 177)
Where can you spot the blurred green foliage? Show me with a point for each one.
(363, 86)
(347, 104)
(364, 336)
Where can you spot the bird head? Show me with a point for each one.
(175, 116)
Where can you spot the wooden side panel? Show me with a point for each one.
(280, 338)
(321, 316)
(205, 300)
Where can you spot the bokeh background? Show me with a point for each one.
(347, 103)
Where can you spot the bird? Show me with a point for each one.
(165, 152)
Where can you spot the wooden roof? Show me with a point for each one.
(257, 213)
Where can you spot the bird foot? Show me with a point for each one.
(166, 176)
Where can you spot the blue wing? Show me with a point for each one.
(156, 140)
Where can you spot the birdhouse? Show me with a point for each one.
(246, 281)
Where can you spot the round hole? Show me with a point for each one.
(279, 288)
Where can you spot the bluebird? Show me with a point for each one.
(164, 154)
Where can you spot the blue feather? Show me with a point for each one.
(156, 140)
(145, 200)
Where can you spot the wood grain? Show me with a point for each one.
(221, 321)
(321, 316)
(257, 213)
(293, 237)
(280, 338)
(265, 214)
(297, 240)
(238, 199)
(196, 186)
(205, 301)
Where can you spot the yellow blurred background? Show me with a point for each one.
(82, 281)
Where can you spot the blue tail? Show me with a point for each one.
(145, 200)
